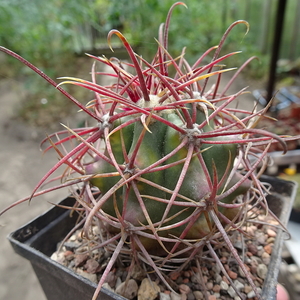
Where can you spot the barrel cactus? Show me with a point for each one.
(171, 166)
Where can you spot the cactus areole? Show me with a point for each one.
(170, 166)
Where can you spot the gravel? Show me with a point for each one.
(142, 285)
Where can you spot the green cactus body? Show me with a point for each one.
(158, 141)
(103, 167)
(149, 152)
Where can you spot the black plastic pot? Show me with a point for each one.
(37, 240)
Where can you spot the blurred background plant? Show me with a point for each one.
(55, 34)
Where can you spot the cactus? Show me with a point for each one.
(177, 171)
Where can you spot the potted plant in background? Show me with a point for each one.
(165, 183)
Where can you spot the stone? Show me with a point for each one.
(262, 271)
(216, 288)
(223, 285)
(138, 273)
(260, 237)
(184, 289)
(91, 266)
(252, 293)
(218, 278)
(232, 275)
(271, 233)
(91, 277)
(231, 292)
(266, 258)
(209, 285)
(175, 296)
(252, 249)
(198, 295)
(107, 286)
(128, 289)
(164, 296)
(71, 246)
(80, 259)
(148, 290)
(190, 296)
(59, 257)
(247, 289)
(268, 248)
(194, 279)
(111, 279)
(174, 275)
(238, 285)
(118, 282)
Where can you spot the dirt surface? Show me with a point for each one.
(22, 165)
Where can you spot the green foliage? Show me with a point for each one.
(197, 28)
(42, 31)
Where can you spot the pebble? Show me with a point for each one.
(224, 285)
(218, 278)
(271, 233)
(194, 279)
(198, 295)
(187, 274)
(225, 279)
(262, 271)
(118, 282)
(91, 277)
(238, 244)
(232, 275)
(190, 296)
(164, 296)
(59, 257)
(247, 289)
(216, 288)
(216, 269)
(270, 240)
(231, 292)
(209, 285)
(148, 290)
(107, 286)
(241, 272)
(174, 275)
(260, 237)
(251, 294)
(266, 258)
(138, 273)
(129, 289)
(174, 296)
(69, 255)
(111, 279)
(91, 266)
(184, 289)
(71, 246)
(268, 248)
(252, 249)
(80, 259)
(239, 286)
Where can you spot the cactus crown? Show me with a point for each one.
(171, 166)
